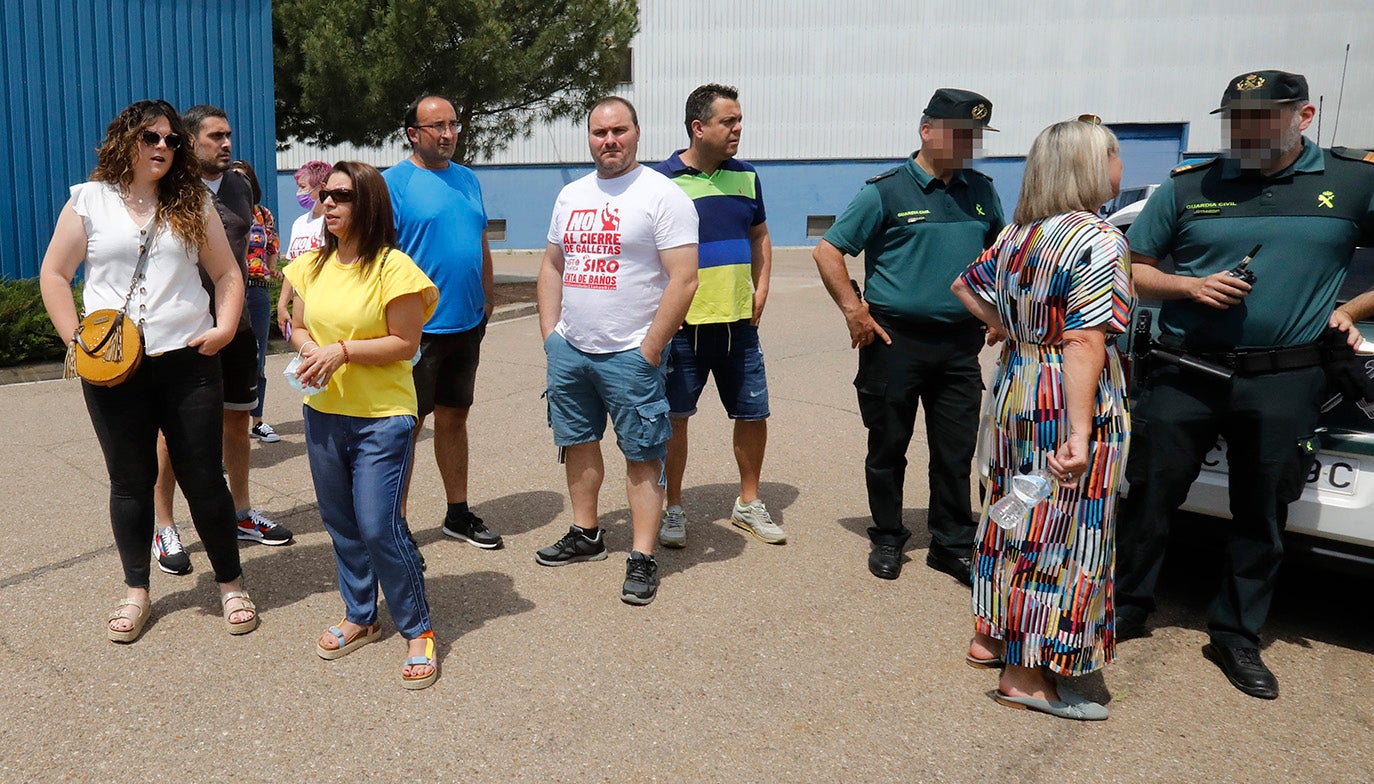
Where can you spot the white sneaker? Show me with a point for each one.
(673, 530)
(754, 518)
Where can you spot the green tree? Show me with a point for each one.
(346, 68)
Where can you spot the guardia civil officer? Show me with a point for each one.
(1301, 211)
(919, 226)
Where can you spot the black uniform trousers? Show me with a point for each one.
(1176, 420)
(936, 366)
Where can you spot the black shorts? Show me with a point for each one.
(239, 365)
(447, 371)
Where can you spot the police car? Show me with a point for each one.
(1334, 518)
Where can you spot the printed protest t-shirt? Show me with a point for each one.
(611, 231)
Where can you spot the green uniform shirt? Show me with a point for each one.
(917, 235)
(1308, 217)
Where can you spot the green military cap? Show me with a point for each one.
(1259, 89)
(950, 104)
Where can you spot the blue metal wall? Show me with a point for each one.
(523, 195)
(67, 67)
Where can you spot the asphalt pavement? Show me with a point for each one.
(756, 663)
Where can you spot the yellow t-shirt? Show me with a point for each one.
(346, 303)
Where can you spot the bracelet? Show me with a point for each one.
(345, 351)
(306, 343)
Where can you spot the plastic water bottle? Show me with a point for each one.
(1027, 490)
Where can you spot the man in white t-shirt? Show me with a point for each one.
(618, 276)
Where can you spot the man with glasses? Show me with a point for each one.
(441, 224)
(919, 226)
(212, 142)
(1299, 211)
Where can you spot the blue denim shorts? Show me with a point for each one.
(584, 388)
(731, 352)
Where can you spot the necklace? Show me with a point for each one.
(139, 201)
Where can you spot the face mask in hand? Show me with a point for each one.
(294, 382)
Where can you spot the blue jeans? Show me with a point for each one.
(259, 304)
(359, 466)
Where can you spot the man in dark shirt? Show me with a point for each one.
(919, 226)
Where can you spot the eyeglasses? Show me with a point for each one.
(451, 125)
(152, 138)
(339, 195)
(1090, 119)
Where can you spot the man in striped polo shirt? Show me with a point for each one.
(721, 333)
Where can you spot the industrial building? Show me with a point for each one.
(832, 93)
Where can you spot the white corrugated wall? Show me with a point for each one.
(841, 80)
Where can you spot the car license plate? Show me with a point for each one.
(1329, 474)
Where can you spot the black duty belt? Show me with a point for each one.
(1250, 362)
(929, 328)
(260, 283)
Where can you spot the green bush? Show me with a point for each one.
(26, 334)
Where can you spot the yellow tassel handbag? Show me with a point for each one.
(108, 345)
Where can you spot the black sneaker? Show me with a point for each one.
(573, 547)
(171, 556)
(641, 579)
(470, 528)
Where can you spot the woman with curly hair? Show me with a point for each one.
(146, 191)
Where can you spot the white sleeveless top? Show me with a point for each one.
(171, 302)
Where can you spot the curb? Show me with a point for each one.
(47, 371)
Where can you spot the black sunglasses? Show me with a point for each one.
(151, 138)
(339, 195)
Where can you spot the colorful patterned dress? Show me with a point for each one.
(1045, 587)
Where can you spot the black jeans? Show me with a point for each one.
(1176, 421)
(181, 394)
(937, 367)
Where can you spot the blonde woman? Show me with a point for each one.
(1057, 285)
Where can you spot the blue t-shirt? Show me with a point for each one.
(439, 224)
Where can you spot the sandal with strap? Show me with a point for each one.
(138, 618)
(348, 645)
(245, 604)
(423, 681)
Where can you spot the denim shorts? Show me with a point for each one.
(731, 352)
(584, 388)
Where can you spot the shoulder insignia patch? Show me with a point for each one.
(882, 176)
(1352, 154)
(1192, 166)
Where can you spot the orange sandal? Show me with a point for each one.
(423, 681)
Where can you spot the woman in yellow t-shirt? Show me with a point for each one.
(359, 305)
